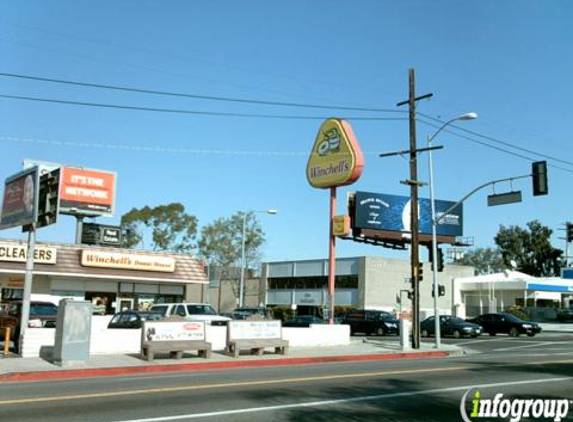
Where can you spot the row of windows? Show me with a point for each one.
(318, 282)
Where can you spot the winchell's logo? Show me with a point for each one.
(513, 409)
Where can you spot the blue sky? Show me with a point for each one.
(510, 62)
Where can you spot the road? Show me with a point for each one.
(398, 390)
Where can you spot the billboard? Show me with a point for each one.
(20, 200)
(377, 211)
(87, 192)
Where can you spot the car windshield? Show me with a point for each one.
(200, 310)
(160, 309)
(385, 317)
(452, 319)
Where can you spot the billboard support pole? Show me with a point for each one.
(331, 256)
(28, 279)
(79, 228)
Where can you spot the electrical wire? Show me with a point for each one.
(506, 151)
(498, 141)
(181, 111)
(197, 96)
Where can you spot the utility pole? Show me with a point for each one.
(413, 182)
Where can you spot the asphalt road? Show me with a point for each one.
(399, 390)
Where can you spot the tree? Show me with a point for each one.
(530, 248)
(220, 243)
(172, 229)
(484, 260)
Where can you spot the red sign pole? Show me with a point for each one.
(331, 256)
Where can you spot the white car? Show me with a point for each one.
(191, 312)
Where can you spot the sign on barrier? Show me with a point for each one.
(173, 330)
(254, 330)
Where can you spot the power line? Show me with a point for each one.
(498, 141)
(506, 151)
(182, 111)
(154, 149)
(197, 96)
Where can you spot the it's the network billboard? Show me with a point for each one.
(88, 192)
(378, 211)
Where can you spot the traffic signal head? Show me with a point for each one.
(441, 290)
(440, 260)
(48, 203)
(569, 232)
(420, 271)
(539, 177)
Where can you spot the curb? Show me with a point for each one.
(136, 370)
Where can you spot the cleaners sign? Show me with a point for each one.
(336, 158)
(10, 252)
(87, 192)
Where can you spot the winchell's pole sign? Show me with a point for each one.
(336, 158)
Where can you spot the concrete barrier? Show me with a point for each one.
(106, 341)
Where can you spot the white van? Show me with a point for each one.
(191, 312)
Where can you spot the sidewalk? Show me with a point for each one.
(13, 368)
(556, 327)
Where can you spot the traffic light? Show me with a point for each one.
(539, 177)
(441, 290)
(569, 232)
(48, 201)
(410, 294)
(440, 262)
(420, 271)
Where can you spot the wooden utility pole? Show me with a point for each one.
(414, 183)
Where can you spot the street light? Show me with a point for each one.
(437, 334)
(243, 263)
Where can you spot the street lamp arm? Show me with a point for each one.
(431, 138)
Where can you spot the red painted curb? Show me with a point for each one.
(131, 370)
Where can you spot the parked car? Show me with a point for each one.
(506, 324)
(244, 313)
(42, 315)
(566, 314)
(371, 322)
(303, 321)
(133, 319)
(450, 326)
(191, 312)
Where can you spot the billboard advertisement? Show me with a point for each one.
(377, 211)
(87, 192)
(20, 200)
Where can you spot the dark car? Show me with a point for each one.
(133, 319)
(303, 321)
(42, 315)
(371, 322)
(244, 313)
(450, 326)
(506, 324)
(566, 314)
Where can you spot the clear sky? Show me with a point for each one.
(510, 62)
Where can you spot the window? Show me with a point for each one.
(200, 310)
(162, 309)
(180, 311)
(44, 309)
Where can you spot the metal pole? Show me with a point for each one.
(437, 331)
(331, 257)
(28, 279)
(414, 254)
(79, 228)
(242, 282)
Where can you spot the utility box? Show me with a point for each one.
(405, 328)
(73, 332)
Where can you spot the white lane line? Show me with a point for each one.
(538, 344)
(341, 401)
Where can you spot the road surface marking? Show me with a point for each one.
(343, 401)
(541, 343)
(255, 383)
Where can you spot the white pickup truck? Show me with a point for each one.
(191, 312)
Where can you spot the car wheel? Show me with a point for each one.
(492, 334)
(514, 332)
(456, 334)
(530, 334)
(425, 333)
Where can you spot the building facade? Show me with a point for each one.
(113, 279)
(361, 282)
